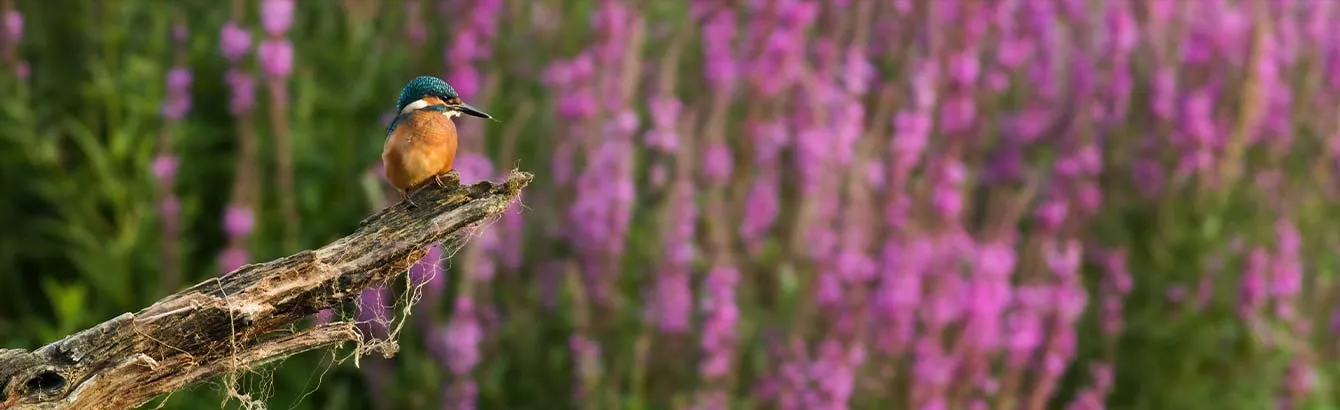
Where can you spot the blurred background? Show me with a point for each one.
(793, 204)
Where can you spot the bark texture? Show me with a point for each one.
(248, 317)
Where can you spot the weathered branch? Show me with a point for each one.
(247, 317)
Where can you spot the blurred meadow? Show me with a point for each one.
(791, 204)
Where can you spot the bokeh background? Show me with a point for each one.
(795, 204)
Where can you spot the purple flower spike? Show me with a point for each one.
(474, 167)
(718, 163)
(461, 395)
(912, 132)
(276, 57)
(859, 72)
(722, 315)
(165, 168)
(466, 79)
(178, 93)
(238, 221)
(1287, 277)
(769, 140)
(461, 338)
(762, 209)
(958, 114)
(965, 67)
(277, 16)
(179, 79)
(672, 302)
(170, 208)
(242, 95)
(721, 66)
(466, 48)
(234, 42)
(233, 258)
(664, 118)
(180, 33)
(13, 26)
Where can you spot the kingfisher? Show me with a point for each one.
(421, 140)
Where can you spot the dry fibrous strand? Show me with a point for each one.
(249, 317)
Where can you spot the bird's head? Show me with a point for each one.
(428, 91)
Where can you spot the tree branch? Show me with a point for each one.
(245, 318)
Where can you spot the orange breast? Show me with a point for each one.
(421, 146)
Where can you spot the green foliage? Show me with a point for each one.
(81, 242)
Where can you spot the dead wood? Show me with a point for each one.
(248, 317)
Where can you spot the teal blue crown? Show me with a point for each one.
(424, 86)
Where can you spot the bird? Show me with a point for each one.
(421, 140)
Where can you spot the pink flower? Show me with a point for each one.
(238, 221)
(722, 316)
(474, 167)
(242, 91)
(13, 26)
(21, 70)
(233, 258)
(170, 207)
(460, 339)
(277, 16)
(165, 167)
(276, 57)
(718, 163)
(234, 42)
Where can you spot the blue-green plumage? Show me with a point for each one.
(424, 86)
(391, 128)
(427, 143)
(429, 86)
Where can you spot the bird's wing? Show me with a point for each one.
(390, 129)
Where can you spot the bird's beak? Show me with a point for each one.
(471, 110)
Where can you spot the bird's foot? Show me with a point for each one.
(405, 196)
(438, 179)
